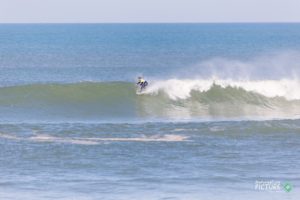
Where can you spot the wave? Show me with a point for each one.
(173, 98)
(45, 138)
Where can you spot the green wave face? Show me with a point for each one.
(119, 100)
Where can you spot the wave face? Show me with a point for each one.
(170, 99)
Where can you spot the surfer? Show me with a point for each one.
(142, 83)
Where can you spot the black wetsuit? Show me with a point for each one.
(143, 84)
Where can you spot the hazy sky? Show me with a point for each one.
(149, 11)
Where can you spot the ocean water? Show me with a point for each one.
(220, 117)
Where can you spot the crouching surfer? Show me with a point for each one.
(142, 83)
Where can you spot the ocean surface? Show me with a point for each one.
(220, 118)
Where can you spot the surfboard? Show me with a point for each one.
(140, 92)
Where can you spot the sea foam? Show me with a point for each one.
(182, 88)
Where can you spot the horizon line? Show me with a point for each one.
(246, 22)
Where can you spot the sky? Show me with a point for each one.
(147, 11)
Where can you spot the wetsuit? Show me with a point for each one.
(142, 83)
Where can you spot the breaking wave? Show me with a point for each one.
(173, 98)
(183, 89)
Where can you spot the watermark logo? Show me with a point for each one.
(287, 187)
(273, 186)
